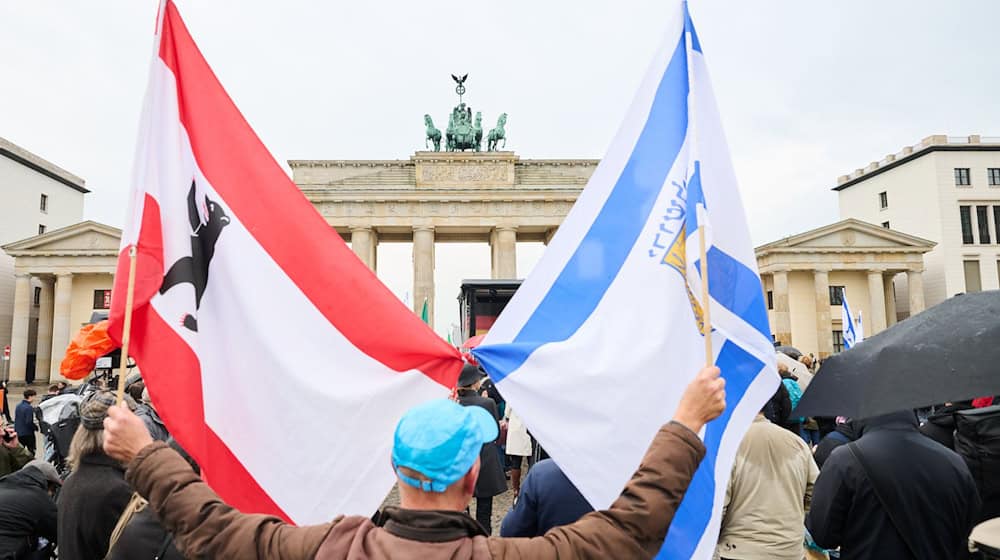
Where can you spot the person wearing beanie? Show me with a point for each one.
(95, 494)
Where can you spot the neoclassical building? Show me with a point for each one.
(435, 197)
(74, 267)
(805, 277)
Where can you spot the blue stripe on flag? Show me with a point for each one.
(695, 196)
(691, 519)
(689, 27)
(737, 288)
(595, 263)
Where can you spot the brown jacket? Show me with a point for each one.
(205, 527)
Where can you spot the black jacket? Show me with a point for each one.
(90, 503)
(26, 512)
(491, 481)
(941, 426)
(145, 539)
(927, 488)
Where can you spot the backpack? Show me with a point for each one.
(977, 440)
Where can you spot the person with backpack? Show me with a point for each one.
(790, 382)
(893, 493)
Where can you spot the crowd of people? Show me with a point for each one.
(884, 487)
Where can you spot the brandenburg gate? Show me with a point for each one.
(460, 194)
(491, 197)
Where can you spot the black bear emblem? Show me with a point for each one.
(194, 269)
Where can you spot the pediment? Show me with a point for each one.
(849, 234)
(85, 237)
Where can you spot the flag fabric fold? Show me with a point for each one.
(596, 347)
(275, 357)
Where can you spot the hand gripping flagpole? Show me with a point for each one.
(127, 327)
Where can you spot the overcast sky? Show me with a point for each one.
(808, 90)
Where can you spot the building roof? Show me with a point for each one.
(935, 143)
(884, 237)
(24, 157)
(82, 238)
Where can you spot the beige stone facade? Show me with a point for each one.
(74, 266)
(945, 189)
(798, 272)
(489, 197)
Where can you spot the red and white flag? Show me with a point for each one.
(275, 357)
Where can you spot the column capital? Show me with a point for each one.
(821, 270)
(64, 275)
(361, 228)
(19, 275)
(423, 228)
(915, 270)
(505, 227)
(877, 270)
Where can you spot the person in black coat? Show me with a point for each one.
(492, 481)
(548, 499)
(95, 495)
(27, 511)
(143, 536)
(893, 493)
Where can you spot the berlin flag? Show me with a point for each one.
(275, 357)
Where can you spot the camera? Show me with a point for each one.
(8, 435)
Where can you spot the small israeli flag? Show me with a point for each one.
(853, 331)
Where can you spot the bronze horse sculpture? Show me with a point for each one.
(433, 134)
(497, 134)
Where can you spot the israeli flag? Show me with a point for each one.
(597, 346)
(853, 331)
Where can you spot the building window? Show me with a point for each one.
(43, 204)
(973, 283)
(770, 299)
(962, 177)
(41, 229)
(965, 212)
(982, 217)
(36, 299)
(885, 225)
(883, 200)
(102, 299)
(996, 220)
(836, 295)
(993, 176)
(838, 341)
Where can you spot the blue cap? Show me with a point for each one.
(441, 440)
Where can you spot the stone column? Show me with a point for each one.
(61, 327)
(824, 328)
(782, 318)
(19, 327)
(362, 243)
(43, 350)
(915, 285)
(548, 234)
(890, 298)
(423, 270)
(876, 298)
(504, 248)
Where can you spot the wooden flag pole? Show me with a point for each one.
(127, 327)
(706, 328)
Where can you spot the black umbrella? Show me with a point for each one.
(948, 353)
